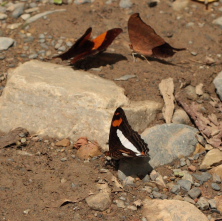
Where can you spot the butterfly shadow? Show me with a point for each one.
(138, 166)
(98, 60)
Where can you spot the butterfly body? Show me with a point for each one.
(85, 46)
(145, 41)
(123, 140)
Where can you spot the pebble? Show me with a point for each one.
(14, 26)
(134, 208)
(125, 77)
(203, 177)
(129, 181)
(189, 200)
(203, 203)
(218, 21)
(180, 117)
(33, 56)
(80, 2)
(185, 184)
(191, 92)
(3, 16)
(64, 159)
(146, 179)
(62, 48)
(183, 162)
(125, 4)
(156, 194)
(119, 203)
(19, 9)
(5, 43)
(192, 168)
(216, 178)
(175, 189)
(194, 193)
(215, 186)
(213, 204)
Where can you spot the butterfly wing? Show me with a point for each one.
(100, 44)
(123, 140)
(82, 45)
(103, 41)
(142, 37)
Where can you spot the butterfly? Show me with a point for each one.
(123, 140)
(146, 42)
(85, 46)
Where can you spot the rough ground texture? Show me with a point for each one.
(35, 182)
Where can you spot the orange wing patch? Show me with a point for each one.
(99, 40)
(116, 123)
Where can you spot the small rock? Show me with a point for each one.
(125, 4)
(3, 16)
(189, 200)
(185, 184)
(146, 179)
(191, 92)
(26, 211)
(215, 186)
(192, 168)
(187, 176)
(134, 208)
(138, 203)
(99, 202)
(217, 170)
(63, 143)
(120, 203)
(179, 5)
(203, 203)
(19, 8)
(211, 158)
(156, 195)
(212, 203)
(175, 189)
(199, 89)
(216, 178)
(64, 159)
(125, 77)
(203, 177)
(194, 193)
(182, 162)
(5, 43)
(218, 202)
(180, 117)
(14, 26)
(218, 21)
(129, 181)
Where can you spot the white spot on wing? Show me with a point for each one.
(126, 143)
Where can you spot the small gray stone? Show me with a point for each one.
(213, 204)
(134, 208)
(182, 162)
(125, 4)
(129, 181)
(156, 194)
(203, 177)
(203, 203)
(146, 179)
(41, 36)
(5, 43)
(189, 200)
(194, 193)
(175, 189)
(215, 186)
(64, 159)
(62, 48)
(125, 77)
(185, 184)
(191, 92)
(80, 2)
(180, 117)
(218, 82)
(19, 9)
(33, 56)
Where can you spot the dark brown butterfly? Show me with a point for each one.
(145, 41)
(123, 140)
(85, 46)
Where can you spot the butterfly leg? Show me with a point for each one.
(145, 58)
(133, 54)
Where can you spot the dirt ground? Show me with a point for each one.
(33, 185)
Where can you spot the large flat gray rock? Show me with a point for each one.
(168, 142)
(58, 101)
